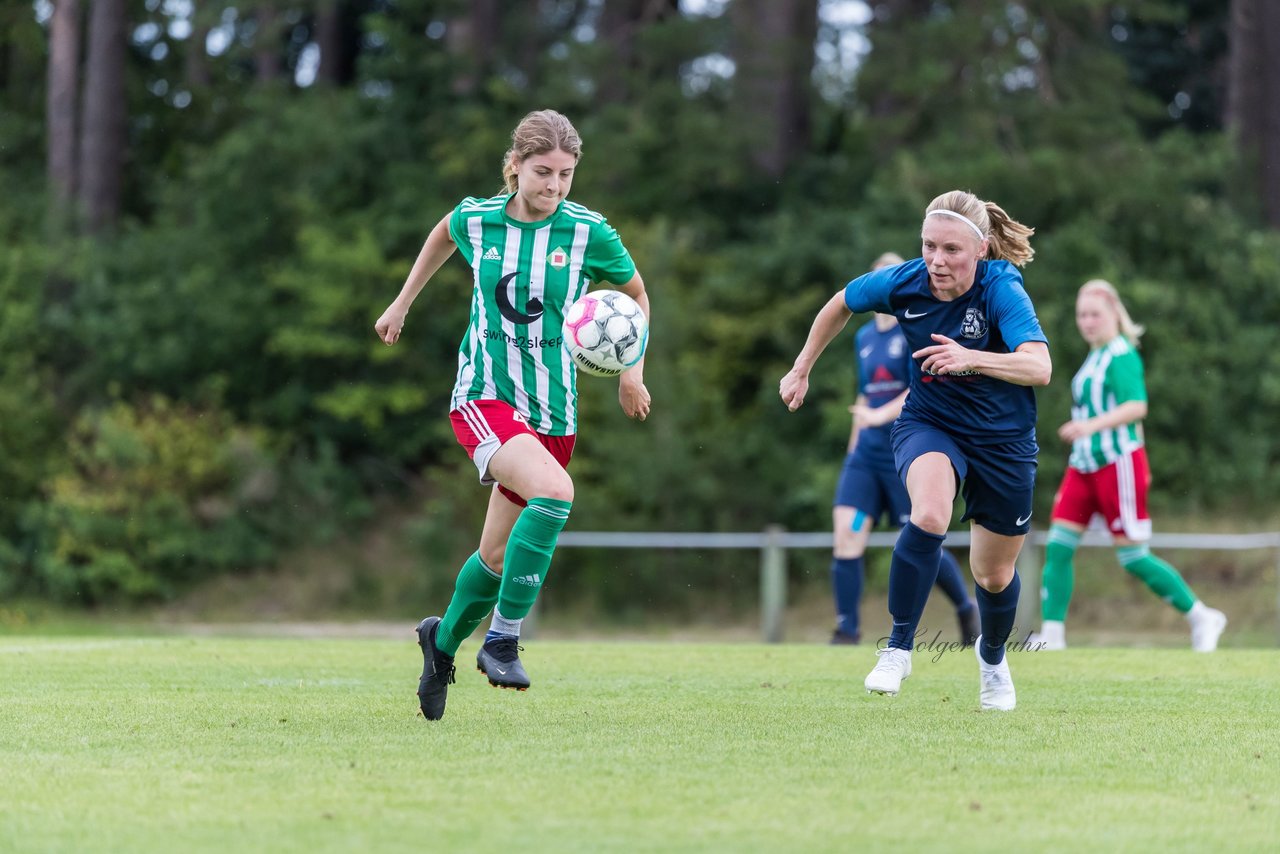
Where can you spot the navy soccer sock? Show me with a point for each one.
(846, 585)
(951, 580)
(997, 611)
(911, 576)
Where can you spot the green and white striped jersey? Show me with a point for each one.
(1111, 375)
(526, 276)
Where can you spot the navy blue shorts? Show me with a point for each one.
(873, 490)
(997, 481)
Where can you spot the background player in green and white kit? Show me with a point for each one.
(514, 407)
(1107, 473)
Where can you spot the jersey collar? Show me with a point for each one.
(517, 223)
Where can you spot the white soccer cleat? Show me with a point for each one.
(996, 683)
(1207, 625)
(1052, 637)
(886, 677)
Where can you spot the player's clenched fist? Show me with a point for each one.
(793, 387)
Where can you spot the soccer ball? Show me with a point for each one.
(605, 332)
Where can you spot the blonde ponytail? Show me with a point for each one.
(1008, 239)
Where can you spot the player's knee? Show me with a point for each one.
(1134, 557)
(493, 556)
(558, 486)
(993, 579)
(935, 520)
(847, 545)
(849, 539)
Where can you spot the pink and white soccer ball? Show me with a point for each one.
(605, 332)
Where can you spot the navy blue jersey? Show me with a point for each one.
(995, 315)
(884, 372)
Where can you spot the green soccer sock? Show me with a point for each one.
(474, 594)
(1162, 578)
(1058, 576)
(529, 549)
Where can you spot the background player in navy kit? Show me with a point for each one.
(869, 484)
(970, 417)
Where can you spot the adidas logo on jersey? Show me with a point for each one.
(492, 254)
(531, 580)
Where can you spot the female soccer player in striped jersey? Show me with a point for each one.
(1107, 473)
(969, 418)
(514, 407)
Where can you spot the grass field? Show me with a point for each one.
(251, 744)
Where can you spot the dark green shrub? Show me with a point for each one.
(152, 497)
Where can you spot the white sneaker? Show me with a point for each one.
(1206, 627)
(886, 677)
(1051, 637)
(996, 683)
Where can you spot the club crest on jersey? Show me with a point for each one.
(974, 324)
(896, 346)
(558, 258)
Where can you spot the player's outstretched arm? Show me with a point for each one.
(435, 251)
(632, 394)
(831, 318)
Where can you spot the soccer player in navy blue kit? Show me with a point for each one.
(968, 424)
(869, 485)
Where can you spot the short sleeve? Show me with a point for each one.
(1012, 307)
(1125, 378)
(872, 291)
(458, 229)
(607, 259)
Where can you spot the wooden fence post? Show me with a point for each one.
(773, 584)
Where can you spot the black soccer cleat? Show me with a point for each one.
(839, 638)
(437, 671)
(500, 661)
(970, 626)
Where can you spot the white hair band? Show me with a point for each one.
(961, 217)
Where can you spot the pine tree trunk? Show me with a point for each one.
(267, 63)
(60, 104)
(1253, 95)
(337, 34)
(105, 116)
(621, 22)
(195, 60)
(773, 51)
(471, 39)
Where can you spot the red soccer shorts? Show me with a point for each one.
(1117, 492)
(484, 426)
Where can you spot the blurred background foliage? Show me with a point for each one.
(189, 381)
